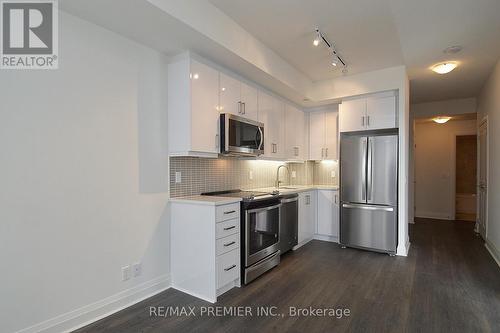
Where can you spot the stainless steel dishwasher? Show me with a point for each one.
(289, 213)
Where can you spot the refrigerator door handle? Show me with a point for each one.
(365, 207)
(370, 170)
(363, 167)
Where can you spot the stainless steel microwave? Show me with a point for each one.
(240, 136)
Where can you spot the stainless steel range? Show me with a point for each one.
(260, 230)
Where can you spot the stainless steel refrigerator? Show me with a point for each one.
(368, 191)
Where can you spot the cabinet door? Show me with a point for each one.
(381, 112)
(306, 216)
(317, 135)
(352, 115)
(230, 95)
(277, 120)
(249, 98)
(331, 136)
(295, 129)
(266, 112)
(204, 102)
(326, 208)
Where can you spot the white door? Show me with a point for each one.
(482, 222)
(204, 113)
(317, 135)
(249, 99)
(230, 95)
(326, 224)
(352, 115)
(331, 136)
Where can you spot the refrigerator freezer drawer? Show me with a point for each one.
(370, 227)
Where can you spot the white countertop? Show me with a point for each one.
(217, 201)
(205, 200)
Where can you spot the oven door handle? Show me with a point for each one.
(256, 210)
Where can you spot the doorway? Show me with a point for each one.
(482, 221)
(465, 177)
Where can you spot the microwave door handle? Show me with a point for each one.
(261, 137)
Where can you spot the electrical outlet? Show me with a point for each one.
(137, 269)
(178, 177)
(126, 273)
(333, 174)
(250, 175)
(294, 174)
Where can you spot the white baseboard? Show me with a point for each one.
(325, 238)
(493, 251)
(304, 242)
(432, 215)
(90, 313)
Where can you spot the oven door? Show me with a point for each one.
(261, 233)
(241, 136)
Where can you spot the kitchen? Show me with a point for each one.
(221, 165)
(242, 241)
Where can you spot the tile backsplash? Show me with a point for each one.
(198, 175)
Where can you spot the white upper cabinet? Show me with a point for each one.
(237, 98)
(249, 98)
(352, 115)
(375, 112)
(323, 135)
(381, 112)
(272, 114)
(193, 99)
(296, 125)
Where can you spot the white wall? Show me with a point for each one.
(83, 180)
(434, 166)
(489, 105)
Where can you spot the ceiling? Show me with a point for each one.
(372, 35)
(464, 116)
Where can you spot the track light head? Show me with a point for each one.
(317, 40)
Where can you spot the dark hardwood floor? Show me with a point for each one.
(448, 283)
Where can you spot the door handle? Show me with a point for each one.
(230, 243)
(230, 212)
(261, 137)
(386, 209)
(229, 228)
(370, 170)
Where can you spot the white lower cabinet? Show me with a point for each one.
(205, 248)
(327, 227)
(307, 217)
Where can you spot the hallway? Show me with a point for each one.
(448, 283)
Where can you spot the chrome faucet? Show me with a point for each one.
(278, 181)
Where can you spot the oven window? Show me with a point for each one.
(243, 135)
(263, 230)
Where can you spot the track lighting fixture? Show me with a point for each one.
(336, 59)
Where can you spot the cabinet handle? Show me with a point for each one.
(244, 108)
(322, 152)
(326, 152)
(229, 268)
(239, 107)
(335, 199)
(363, 121)
(296, 149)
(229, 228)
(276, 146)
(230, 243)
(368, 121)
(230, 212)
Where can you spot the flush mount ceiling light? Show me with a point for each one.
(336, 59)
(444, 67)
(441, 119)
